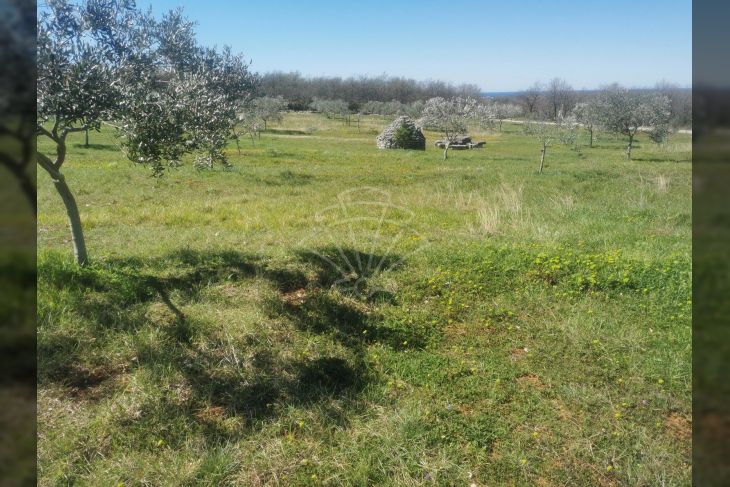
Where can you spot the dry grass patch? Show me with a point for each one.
(530, 380)
(503, 212)
(662, 183)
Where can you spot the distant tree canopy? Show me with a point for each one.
(393, 108)
(549, 100)
(300, 91)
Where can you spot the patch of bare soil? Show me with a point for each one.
(530, 380)
(679, 426)
(517, 353)
(296, 297)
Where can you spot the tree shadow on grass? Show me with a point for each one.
(285, 178)
(114, 297)
(110, 302)
(109, 147)
(659, 159)
(286, 132)
(350, 271)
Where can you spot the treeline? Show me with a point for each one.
(548, 100)
(300, 91)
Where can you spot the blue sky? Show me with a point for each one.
(499, 46)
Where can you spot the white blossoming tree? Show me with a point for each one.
(450, 116)
(504, 111)
(589, 114)
(568, 129)
(546, 132)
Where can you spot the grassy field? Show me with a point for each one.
(326, 313)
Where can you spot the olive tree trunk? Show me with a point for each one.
(629, 147)
(542, 157)
(72, 209)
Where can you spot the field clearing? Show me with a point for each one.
(326, 313)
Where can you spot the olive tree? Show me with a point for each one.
(415, 109)
(248, 124)
(330, 108)
(450, 116)
(269, 108)
(371, 107)
(624, 112)
(341, 108)
(105, 61)
(392, 108)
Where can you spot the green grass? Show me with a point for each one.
(512, 329)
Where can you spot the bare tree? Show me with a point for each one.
(560, 97)
(531, 97)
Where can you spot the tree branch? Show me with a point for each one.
(48, 165)
(69, 130)
(43, 131)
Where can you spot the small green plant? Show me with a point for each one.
(402, 136)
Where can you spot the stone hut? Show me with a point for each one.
(403, 133)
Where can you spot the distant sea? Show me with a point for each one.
(500, 94)
(505, 94)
